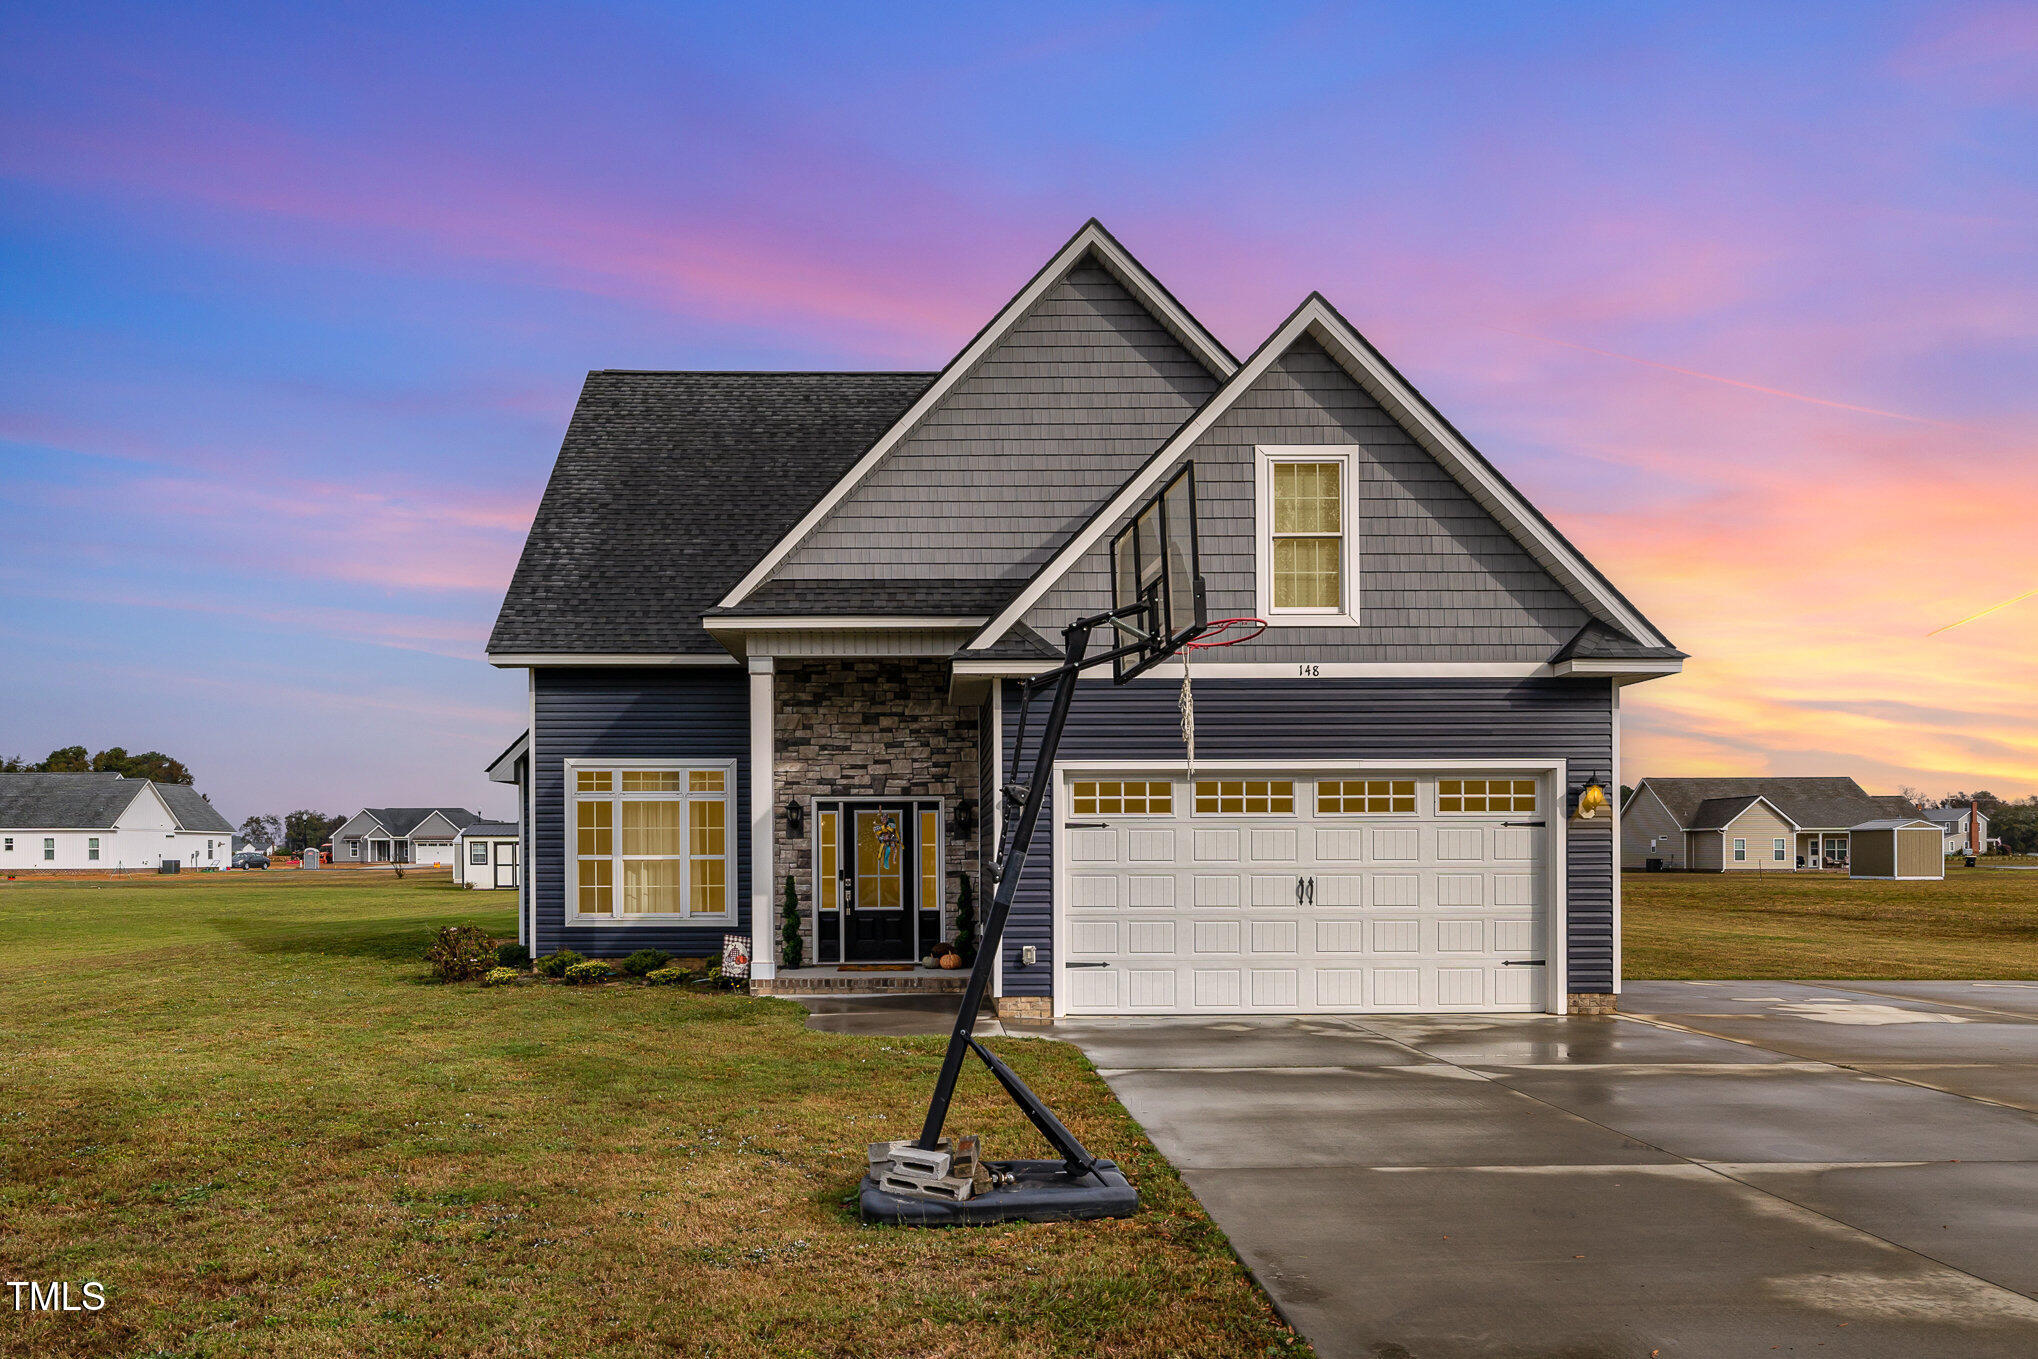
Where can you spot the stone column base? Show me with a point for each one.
(1589, 1003)
(1026, 1009)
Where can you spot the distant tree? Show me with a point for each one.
(150, 764)
(2017, 825)
(1627, 790)
(1914, 796)
(1987, 801)
(14, 764)
(69, 760)
(262, 830)
(304, 830)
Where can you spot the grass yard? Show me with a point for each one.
(1979, 922)
(240, 1104)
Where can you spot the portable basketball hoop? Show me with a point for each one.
(1157, 610)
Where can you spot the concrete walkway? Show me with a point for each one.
(1734, 1168)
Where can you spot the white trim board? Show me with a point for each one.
(1295, 670)
(1318, 320)
(1092, 239)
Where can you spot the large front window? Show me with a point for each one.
(649, 839)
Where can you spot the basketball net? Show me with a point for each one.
(1217, 634)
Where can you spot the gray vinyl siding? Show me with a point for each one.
(1439, 578)
(1300, 720)
(1707, 850)
(633, 712)
(1051, 421)
(1645, 818)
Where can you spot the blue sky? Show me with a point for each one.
(295, 306)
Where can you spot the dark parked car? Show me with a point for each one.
(247, 858)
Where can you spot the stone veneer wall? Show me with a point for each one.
(870, 729)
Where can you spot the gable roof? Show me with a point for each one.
(668, 485)
(1820, 803)
(65, 801)
(1717, 813)
(401, 821)
(1318, 320)
(192, 811)
(1948, 816)
(1090, 243)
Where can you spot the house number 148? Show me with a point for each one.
(1308, 670)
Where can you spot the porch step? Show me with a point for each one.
(861, 984)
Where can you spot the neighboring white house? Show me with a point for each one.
(99, 822)
(1954, 824)
(487, 856)
(401, 835)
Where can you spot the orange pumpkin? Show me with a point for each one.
(951, 960)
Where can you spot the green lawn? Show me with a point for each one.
(240, 1103)
(1979, 922)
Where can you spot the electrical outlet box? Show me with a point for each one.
(1028, 955)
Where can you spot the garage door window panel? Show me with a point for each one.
(1486, 797)
(1122, 797)
(1245, 797)
(1365, 797)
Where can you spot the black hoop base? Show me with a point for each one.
(1043, 1191)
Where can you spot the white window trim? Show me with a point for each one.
(1779, 849)
(617, 919)
(1740, 849)
(1346, 615)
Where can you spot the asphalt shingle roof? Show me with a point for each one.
(192, 811)
(1598, 641)
(64, 801)
(897, 598)
(401, 821)
(668, 487)
(1716, 812)
(1825, 803)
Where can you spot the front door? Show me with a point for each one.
(878, 891)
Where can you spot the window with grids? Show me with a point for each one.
(1778, 850)
(651, 841)
(1486, 795)
(477, 852)
(828, 859)
(1307, 503)
(930, 859)
(1740, 851)
(1346, 796)
(1121, 797)
(1245, 796)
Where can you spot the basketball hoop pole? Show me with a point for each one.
(1076, 645)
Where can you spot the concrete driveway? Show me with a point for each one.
(1734, 1168)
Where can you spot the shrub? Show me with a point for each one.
(966, 921)
(672, 975)
(557, 963)
(645, 961)
(790, 939)
(502, 976)
(512, 954)
(587, 972)
(460, 953)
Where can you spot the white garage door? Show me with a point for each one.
(1291, 891)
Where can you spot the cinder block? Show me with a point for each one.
(952, 1188)
(907, 1158)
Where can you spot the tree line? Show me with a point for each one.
(2014, 821)
(292, 833)
(150, 764)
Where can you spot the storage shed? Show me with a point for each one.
(1900, 848)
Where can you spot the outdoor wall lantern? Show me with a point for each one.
(795, 818)
(1591, 801)
(962, 822)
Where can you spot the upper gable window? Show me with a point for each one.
(1308, 545)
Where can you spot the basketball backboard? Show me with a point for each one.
(1155, 566)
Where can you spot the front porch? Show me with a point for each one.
(1822, 850)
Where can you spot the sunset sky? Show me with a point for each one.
(293, 311)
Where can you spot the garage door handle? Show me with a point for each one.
(1523, 962)
(1075, 964)
(1086, 825)
(1532, 825)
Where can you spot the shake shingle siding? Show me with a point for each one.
(1439, 578)
(1053, 419)
(634, 713)
(1299, 721)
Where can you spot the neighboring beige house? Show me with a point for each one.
(1724, 825)
(1955, 828)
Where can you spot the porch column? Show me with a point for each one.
(763, 958)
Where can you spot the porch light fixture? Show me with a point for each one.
(795, 818)
(962, 822)
(1591, 802)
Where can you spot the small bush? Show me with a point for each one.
(588, 972)
(646, 961)
(502, 976)
(460, 953)
(512, 954)
(556, 964)
(672, 975)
